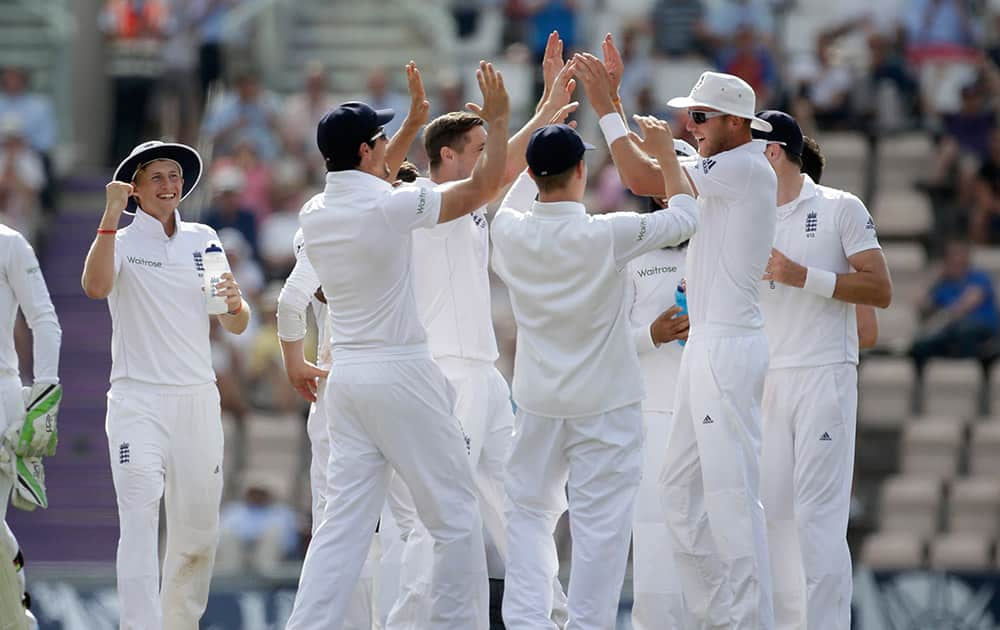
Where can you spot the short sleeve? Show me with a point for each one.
(724, 175)
(408, 208)
(857, 228)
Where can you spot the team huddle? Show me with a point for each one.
(685, 379)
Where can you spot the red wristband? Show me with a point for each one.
(237, 311)
(101, 231)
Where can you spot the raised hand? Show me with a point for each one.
(596, 82)
(496, 104)
(117, 195)
(552, 63)
(613, 63)
(656, 139)
(420, 107)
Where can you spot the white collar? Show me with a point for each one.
(553, 209)
(808, 192)
(151, 226)
(355, 178)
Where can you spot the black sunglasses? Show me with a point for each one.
(699, 117)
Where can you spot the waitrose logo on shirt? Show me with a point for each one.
(652, 271)
(135, 260)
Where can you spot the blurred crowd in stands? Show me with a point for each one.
(176, 72)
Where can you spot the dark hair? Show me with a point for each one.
(408, 172)
(449, 131)
(347, 162)
(812, 161)
(549, 183)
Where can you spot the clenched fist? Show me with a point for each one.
(117, 195)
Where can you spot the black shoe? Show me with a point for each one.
(496, 605)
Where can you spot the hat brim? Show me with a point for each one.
(184, 155)
(383, 116)
(683, 102)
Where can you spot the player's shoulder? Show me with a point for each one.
(9, 234)
(841, 201)
(198, 230)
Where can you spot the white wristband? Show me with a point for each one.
(613, 127)
(820, 281)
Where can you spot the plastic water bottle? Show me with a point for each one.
(215, 263)
(680, 298)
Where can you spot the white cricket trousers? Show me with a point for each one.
(165, 442)
(657, 602)
(601, 458)
(810, 419)
(394, 411)
(361, 613)
(482, 405)
(11, 412)
(711, 479)
(11, 581)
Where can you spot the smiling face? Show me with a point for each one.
(719, 133)
(158, 187)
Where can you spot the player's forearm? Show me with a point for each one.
(867, 326)
(863, 287)
(675, 181)
(292, 354)
(517, 146)
(99, 267)
(400, 145)
(46, 339)
(639, 173)
(462, 197)
(237, 322)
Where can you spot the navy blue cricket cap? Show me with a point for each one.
(554, 149)
(343, 129)
(784, 131)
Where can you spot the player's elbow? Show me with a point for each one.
(883, 296)
(95, 289)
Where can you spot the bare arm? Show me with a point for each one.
(462, 197)
(99, 268)
(302, 374)
(238, 317)
(867, 326)
(420, 109)
(869, 283)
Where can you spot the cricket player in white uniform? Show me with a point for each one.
(577, 382)
(826, 259)
(388, 404)
(658, 328)
(711, 478)
(452, 289)
(164, 421)
(27, 423)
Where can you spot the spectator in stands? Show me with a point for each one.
(728, 17)
(752, 61)
(823, 90)
(382, 96)
(679, 29)
(984, 226)
(892, 87)
(301, 111)
(241, 261)
(959, 311)
(38, 121)
(278, 229)
(256, 195)
(964, 143)
(179, 99)
(22, 177)
(227, 210)
(248, 112)
(256, 532)
(135, 30)
(211, 17)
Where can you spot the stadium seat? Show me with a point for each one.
(902, 214)
(908, 154)
(987, 258)
(892, 551)
(910, 504)
(960, 552)
(984, 449)
(952, 387)
(897, 324)
(908, 266)
(886, 387)
(931, 448)
(974, 505)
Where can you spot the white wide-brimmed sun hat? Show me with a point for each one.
(725, 93)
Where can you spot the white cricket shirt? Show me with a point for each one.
(452, 286)
(22, 284)
(158, 317)
(358, 239)
(565, 272)
(737, 200)
(654, 277)
(822, 228)
(297, 294)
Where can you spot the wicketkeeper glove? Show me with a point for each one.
(39, 432)
(29, 491)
